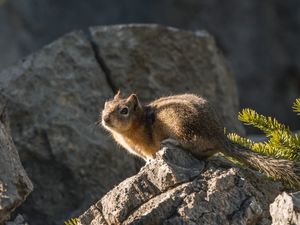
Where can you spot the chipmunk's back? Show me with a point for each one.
(188, 118)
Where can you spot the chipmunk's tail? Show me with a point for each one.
(278, 169)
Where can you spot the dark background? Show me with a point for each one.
(260, 39)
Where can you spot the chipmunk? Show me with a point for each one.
(192, 122)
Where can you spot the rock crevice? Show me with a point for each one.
(101, 62)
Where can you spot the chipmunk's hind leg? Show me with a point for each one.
(170, 143)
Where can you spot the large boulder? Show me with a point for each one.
(176, 188)
(154, 60)
(55, 95)
(15, 185)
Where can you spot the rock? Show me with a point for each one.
(153, 61)
(176, 188)
(15, 185)
(19, 220)
(285, 209)
(54, 98)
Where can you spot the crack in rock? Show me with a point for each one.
(101, 61)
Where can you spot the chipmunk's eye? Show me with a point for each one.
(124, 110)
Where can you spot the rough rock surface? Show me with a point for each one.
(176, 188)
(19, 220)
(14, 182)
(54, 97)
(285, 210)
(153, 61)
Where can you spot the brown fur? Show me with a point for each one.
(190, 120)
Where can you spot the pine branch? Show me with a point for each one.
(266, 124)
(264, 148)
(73, 221)
(240, 140)
(296, 106)
(286, 145)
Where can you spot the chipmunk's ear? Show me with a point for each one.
(118, 95)
(134, 100)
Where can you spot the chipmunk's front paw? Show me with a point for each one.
(149, 160)
(170, 143)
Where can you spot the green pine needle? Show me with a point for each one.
(296, 106)
(265, 148)
(240, 140)
(266, 124)
(73, 221)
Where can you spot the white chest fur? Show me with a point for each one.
(120, 139)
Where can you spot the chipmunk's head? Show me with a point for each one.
(120, 114)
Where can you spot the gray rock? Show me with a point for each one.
(154, 61)
(19, 220)
(54, 98)
(176, 188)
(285, 209)
(15, 185)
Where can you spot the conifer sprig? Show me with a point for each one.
(281, 143)
(73, 221)
(266, 124)
(261, 147)
(296, 106)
